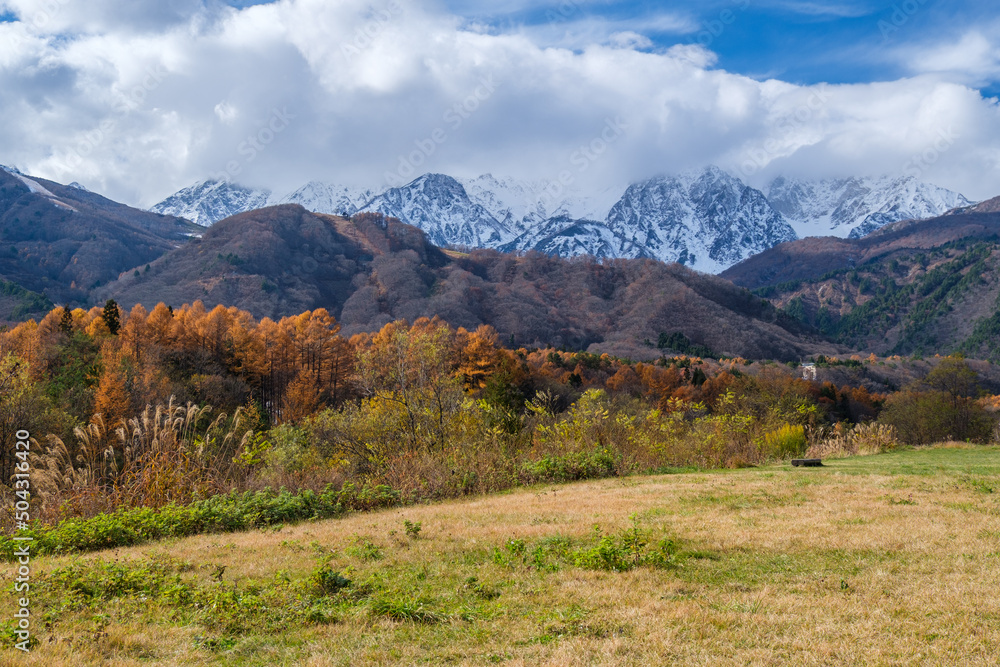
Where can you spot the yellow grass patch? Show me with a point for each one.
(860, 562)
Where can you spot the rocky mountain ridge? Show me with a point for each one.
(706, 219)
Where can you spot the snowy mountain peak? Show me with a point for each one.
(440, 206)
(210, 201)
(857, 206)
(707, 173)
(321, 197)
(707, 219)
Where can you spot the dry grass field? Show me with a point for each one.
(882, 560)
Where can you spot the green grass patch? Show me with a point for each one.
(975, 460)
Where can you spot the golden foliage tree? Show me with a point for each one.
(413, 368)
(112, 400)
(301, 398)
(480, 357)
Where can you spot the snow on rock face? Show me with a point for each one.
(32, 185)
(525, 205)
(440, 206)
(208, 202)
(854, 207)
(37, 188)
(571, 238)
(706, 219)
(320, 197)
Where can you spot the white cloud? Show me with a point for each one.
(226, 112)
(821, 9)
(973, 58)
(568, 26)
(129, 103)
(630, 40)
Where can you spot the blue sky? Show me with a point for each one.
(136, 99)
(805, 42)
(848, 41)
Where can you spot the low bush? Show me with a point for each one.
(629, 549)
(785, 441)
(569, 467)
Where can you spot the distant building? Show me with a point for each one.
(808, 371)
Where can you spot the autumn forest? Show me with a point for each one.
(169, 406)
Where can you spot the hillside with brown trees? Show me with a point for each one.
(67, 244)
(371, 270)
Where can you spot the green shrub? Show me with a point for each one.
(787, 440)
(626, 551)
(412, 528)
(290, 450)
(217, 514)
(327, 581)
(406, 608)
(580, 465)
(925, 417)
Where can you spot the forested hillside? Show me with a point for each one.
(370, 270)
(939, 301)
(809, 259)
(57, 243)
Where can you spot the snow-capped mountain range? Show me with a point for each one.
(707, 219)
(855, 207)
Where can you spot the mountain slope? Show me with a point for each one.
(940, 301)
(725, 223)
(440, 206)
(526, 206)
(810, 258)
(63, 241)
(706, 219)
(371, 270)
(916, 287)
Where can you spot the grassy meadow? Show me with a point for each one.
(876, 560)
